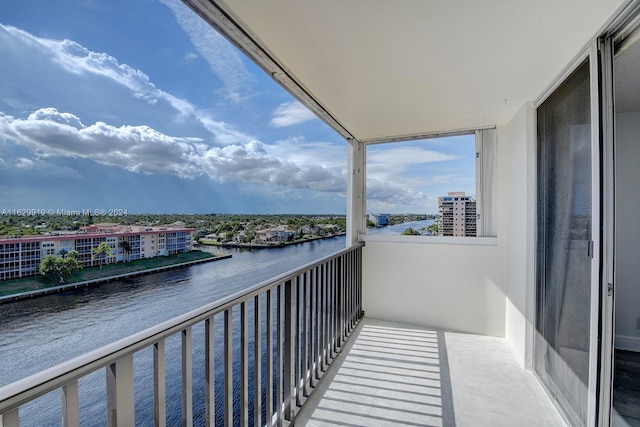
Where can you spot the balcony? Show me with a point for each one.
(302, 336)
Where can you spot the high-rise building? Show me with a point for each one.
(379, 220)
(457, 215)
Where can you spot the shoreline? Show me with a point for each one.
(269, 245)
(94, 282)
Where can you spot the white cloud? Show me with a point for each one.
(391, 189)
(291, 113)
(77, 60)
(223, 59)
(400, 157)
(24, 163)
(142, 149)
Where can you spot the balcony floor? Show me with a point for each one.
(393, 374)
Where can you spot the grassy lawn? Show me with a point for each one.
(33, 283)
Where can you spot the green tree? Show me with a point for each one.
(433, 228)
(62, 267)
(63, 253)
(101, 251)
(73, 254)
(410, 232)
(126, 247)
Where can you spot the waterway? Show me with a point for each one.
(43, 332)
(400, 228)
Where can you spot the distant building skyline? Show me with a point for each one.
(457, 215)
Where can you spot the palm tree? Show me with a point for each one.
(127, 248)
(102, 249)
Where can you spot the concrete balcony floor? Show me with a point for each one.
(392, 374)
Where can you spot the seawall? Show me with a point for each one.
(60, 288)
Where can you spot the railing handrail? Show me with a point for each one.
(24, 390)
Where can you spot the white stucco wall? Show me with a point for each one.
(455, 287)
(519, 138)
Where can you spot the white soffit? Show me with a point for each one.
(386, 68)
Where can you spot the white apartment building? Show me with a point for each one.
(21, 256)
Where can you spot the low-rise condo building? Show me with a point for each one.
(20, 256)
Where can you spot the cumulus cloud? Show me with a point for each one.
(391, 189)
(223, 59)
(76, 59)
(291, 113)
(48, 132)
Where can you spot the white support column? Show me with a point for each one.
(356, 191)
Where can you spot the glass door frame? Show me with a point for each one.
(627, 22)
(602, 317)
(591, 53)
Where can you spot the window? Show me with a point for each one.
(440, 186)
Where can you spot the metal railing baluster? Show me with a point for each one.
(10, 418)
(296, 346)
(269, 359)
(228, 368)
(187, 378)
(280, 356)
(70, 408)
(289, 351)
(304, 392)
(159, 385)
(257, 362)
(314, 328)
(244, 365)
(120, 406)
(209, 372)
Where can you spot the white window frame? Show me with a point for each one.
(486, 176)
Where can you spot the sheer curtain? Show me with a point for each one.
(486, 179)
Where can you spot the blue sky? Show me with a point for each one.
(140, 105)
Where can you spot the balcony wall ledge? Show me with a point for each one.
(430, 240)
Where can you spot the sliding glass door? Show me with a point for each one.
(564, 244)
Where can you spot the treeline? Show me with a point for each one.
(15, 225)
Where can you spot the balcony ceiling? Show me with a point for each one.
(385, 68)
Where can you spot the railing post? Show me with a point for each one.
(120, 406)
(209, 373)
(10, 419)
(313, 351)
(228, 368)
(269, 367)
(279, 357)
(70, 414)
(257, 359)
(159, 385)
(289, 351)
(244, 365)
(306, 313)
(187, 378)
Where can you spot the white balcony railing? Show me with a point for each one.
(298, 321)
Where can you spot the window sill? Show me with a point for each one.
(430, 240)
